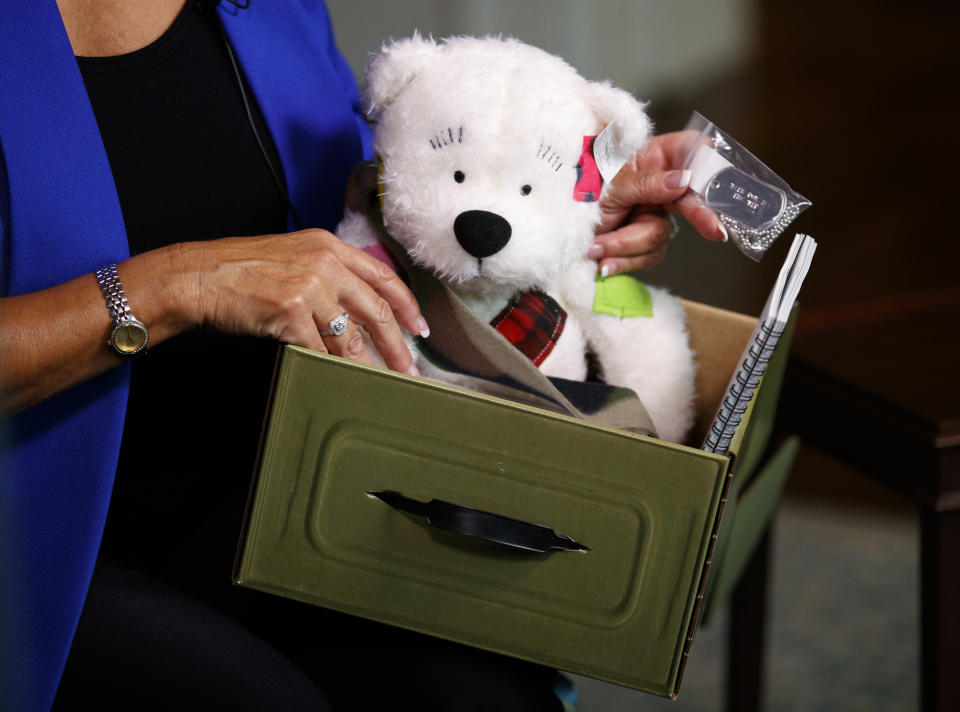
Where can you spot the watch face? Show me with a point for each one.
(130, 337)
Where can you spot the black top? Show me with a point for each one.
(186, 168)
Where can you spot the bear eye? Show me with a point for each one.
(459, 177)
(525, 190)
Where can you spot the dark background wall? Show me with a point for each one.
(853, 102)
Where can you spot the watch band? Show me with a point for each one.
(123, 319)
(112, 289)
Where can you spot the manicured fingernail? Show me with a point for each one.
(595, 252)
(413, 370)
(677, 179)
(422, 327)
(605, 271)
(723, 231)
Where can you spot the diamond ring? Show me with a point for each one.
(337, 326)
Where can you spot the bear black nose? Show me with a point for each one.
(481, 233)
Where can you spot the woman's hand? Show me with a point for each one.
(286, 287)
(289, 287)
(636, 226)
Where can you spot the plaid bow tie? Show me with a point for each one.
(533, 322)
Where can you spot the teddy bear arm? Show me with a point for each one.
(651, 356)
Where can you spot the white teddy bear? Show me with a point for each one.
(489, 181)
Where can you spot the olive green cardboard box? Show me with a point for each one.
(648, 510)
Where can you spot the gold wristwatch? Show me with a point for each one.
(129, 336)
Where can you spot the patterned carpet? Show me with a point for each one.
(844, 628)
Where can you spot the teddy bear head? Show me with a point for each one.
(481, 144)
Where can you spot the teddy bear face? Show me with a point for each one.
(479, 153)
(475, 212)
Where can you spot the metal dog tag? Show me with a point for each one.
(752, 210)
(751, 202)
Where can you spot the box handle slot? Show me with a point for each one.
(514, 533)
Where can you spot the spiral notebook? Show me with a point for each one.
(762, 343)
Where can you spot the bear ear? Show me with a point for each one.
(394, 67)
(633, 125)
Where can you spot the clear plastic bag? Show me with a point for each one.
(752, 202)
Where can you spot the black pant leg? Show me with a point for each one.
(143, 644)
(432, 675)
(362, 665)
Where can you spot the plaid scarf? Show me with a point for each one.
(532, 321)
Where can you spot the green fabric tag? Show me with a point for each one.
(621, 295)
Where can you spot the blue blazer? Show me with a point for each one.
(60, 219)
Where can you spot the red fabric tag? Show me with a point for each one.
(589, 181)
(532, 322)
